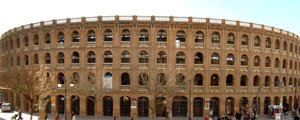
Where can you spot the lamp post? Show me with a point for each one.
(60, 85)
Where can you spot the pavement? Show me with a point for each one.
(26, 116)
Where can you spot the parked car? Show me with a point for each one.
(6, 107)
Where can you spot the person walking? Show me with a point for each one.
(73, 117)
(56, 116)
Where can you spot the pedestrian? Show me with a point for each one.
(20, 115)
(73, 116)
(56, 116)
(46, 116)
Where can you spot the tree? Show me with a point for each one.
(91, 88)
(33, 83)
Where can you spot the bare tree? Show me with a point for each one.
(92, 88)
(33, 83)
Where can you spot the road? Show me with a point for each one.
(8, 115)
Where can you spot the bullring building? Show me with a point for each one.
(226, 66)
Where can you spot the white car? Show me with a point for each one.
(6, 107)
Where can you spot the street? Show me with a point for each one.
(8, 116)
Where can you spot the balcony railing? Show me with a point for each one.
(47, 46)
(215, 67)
(256, 49)
(244, 48)
(125, 87)
(267, 89)
(198, 88)
(107, 44)
(36, 47)
(199, 67)
(60, 45)
(180, 45)
(229, 89)
(244, 68)
(268, 50)
(143, 65)
(267, 69)
(161, 44)
(125, 65)
(125, 43)
(91, 44)
(75, 65)
(60, 66)
(26, 48)
(199, 45)
(107, 65)
(230, 67)
(256, 69)
(144, 43)
(75, 44)
(215, 45)
(180, 66)
(243, 89)
(214, 89)
(161, 65)
(143, 87)
(91, 65)
(230, 46)
(276, 51)
(284, 53)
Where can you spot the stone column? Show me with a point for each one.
(83, 106)
(116, 107)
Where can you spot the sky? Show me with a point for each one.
(283, 14)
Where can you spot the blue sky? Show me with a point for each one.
(284, 14)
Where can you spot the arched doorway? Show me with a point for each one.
(161, 108)
(48, 105)
(75, 102)
(290, 103)
(60, 103)
(108, 106)
(276, 100)
(179, 106)
(90, 105)
(214, 106)
(143, 107)
(229, 106)
(285, 104)
(267, 102)
(125, 104)
(198, 107)
(256, 105)
(244, 105)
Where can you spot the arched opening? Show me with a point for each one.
(198, 107)
(179, 106)
(143, 107)
(244, 105)
(214, 106)
(125, 104)
(60, 104)
(108, 106)
(161, 108)
(267, 102)
(75, 102)
(229, 106)
(91, 105)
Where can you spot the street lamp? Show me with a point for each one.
(60, 85)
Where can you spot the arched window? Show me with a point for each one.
(214, 80)
(161, 36)
(108, 35)
(198, 58)
(244, 80)
(91, 57)
(75, 36)
(244, 60)
(144, 35)
(179, 106)
(47, 38)
(143, 107)
(268, 62)
(108, 57)
(161, 57)
(91, 36)
(257, 41)
(161, 79)
(143, 79)
(75, 78)
(215, 58)
(125, 57)
(245, 40)
(18, 61)
(143, 57)
(18, 43)
(125, 35)
(291, 47)
(229, 80)
(291, 64)
(91, 77)
(180, 58)
(125, 79)
(215, 37)
(256, 61)
(256, 80)
(199, 37)
(283, 82)
(230, 59)
(26, 60)
(284, 46)
(36, 59)
(75, 57)
(26, 41)
(60, 58)
(61, 37)
(180, 36)
(277, 44)
(284, 64)
(230, 38)
(277, 63)
(267, 81)
(36, 39)
(198, 80)
(107, 80)
(47, 58)
(180, 79)
(277, 82)
(60, 78)
(268, 43)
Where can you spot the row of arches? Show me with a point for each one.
(161, 57)
(179, 105)
(180, 78)
(144, 35)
